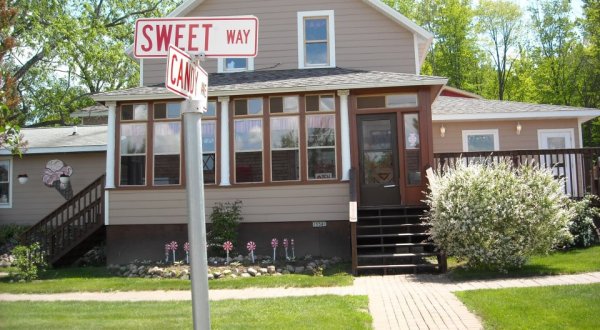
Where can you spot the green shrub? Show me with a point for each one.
(225, 220)
(582, 225)
(9, 236)
(29, 261)
(496, 216)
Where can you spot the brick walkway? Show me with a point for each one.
(395, 302)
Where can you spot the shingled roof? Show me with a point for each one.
(271, 81)
(61, 139)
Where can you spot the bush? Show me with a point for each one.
(9, 236)
(582, 225)
(29, 261)
(495, 216)
(225, 219)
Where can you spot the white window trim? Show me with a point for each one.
(222, 68)
(569, 131)
(331, 36)
(11, 183)
(466, 133)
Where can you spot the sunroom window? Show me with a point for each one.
(285, 152)
(248, 150)
(316, 39)
(209, 142)
(133, 154)
(320, 133)
(167, 144)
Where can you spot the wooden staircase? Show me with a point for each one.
(395, 237)
(73, 228)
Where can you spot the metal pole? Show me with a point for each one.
(197, 223)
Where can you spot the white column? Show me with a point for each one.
(110, 145)
(345, 134)
(224, 101)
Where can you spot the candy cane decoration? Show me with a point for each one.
(227, 246)
(274, 244)
(186, 248)
(293, 252)
(285, 245)
(251, 246)
(173, 245)
(167, 249)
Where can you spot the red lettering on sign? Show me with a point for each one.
(179, 35)
(180, 75)
(206, 34)
(145, 33)
(237, 36)
(173, 60)
(163, 35)
(191, 36)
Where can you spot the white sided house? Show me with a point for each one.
(332, 110)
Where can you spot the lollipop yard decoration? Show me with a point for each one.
(167, 249)
(293, 252)
(251, 246)
(186, 248)
(285, 245)
(173, 246)
(227, 246)
(274, 244)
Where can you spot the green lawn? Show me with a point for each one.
(570, 262)
(97, 279)
(318, 312)
(552, 307)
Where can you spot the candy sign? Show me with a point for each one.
(234, 36)
(186, 78)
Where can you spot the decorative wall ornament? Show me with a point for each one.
(55, 169)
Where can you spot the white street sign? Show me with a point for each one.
(233, 36)
(186, 78)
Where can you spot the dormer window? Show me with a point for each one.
(316, 39)
(235, 64)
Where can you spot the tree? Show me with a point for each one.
(500, 22)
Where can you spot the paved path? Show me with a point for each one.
(395, 302)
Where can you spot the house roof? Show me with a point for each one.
(91, 111)
(446, 108)
(281, 81)
(61, 139)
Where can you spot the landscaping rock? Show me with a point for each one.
(227, 272)
(210, 276)
(217, 274)
(251, 271)
(263, 270)
(271, 269)
(246, 275)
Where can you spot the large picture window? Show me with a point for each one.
(248, 150)
(5, 183)
(285, 153)
(320, 133)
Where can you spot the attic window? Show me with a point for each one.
(316, 39)
(235, 64)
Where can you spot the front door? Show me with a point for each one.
(562, 164)
(378, 160)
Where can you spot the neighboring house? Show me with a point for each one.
(96, 114)
(335, 90)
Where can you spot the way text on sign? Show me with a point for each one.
(235, 36)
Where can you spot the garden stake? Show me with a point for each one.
(274, 244)
(251, 246)
(227, 246)
(173, 246)
(285, 245)
(186, 248)
(293, 252)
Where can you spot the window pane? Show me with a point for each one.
(209, 136)
(411, 131)
(255, 106)
(4, 167)
(284, 132)
(248, 166)
(208, 161)
(320, 130)
(370, 102)
(160, 111)
(327, 103)
(133, 139)
(133, 170)
(173, 110)
(290, 104)
(413, 165)
(377, 135)
(285, 165)
(480, 142)
(235, 63)
(248, 135)
(401, 101)
(127, 112)
(166, 169)
(241, 107)
(276, 105)
(140, 112)
(4, 193)
(167, 138)
(312, 103)
(211, 109)
(315, 29)
(4, 182)
(316, 53)
(378, 167)
(321, 163)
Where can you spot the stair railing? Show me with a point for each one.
(70, 223)
(353, 216)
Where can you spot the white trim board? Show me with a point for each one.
(583, 114)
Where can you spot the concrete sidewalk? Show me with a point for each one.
(395, 302)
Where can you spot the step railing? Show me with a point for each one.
(71, 223)
(353, 216)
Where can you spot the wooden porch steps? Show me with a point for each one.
(404, 266)
(393, 245)
(388, 255)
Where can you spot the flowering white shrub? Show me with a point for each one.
(496, 216)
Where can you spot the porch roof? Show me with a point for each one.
(281, 81)
(45, 140)
(448, 108)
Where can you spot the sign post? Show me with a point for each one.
(178, 39)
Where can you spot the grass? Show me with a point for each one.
(318, 312)
(98, 279)
(569, 262)
(552, 307)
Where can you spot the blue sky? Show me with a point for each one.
(576, 5)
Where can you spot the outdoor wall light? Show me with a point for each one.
(23, 178)
(442, 131)
(519, 128)
(64, 179)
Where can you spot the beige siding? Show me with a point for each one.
(365, 39)
(260, 204)
(33, 200)
(507, 133)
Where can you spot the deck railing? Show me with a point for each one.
(72, 222)
(579, 167)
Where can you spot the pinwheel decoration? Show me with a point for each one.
(227, 246)
(274, 244)
(173, 246)
(285, 245)
(186, 248)
(251, 246)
